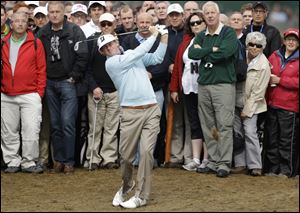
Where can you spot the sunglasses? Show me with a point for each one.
(103, 24)
(253, 45)
(195, 23)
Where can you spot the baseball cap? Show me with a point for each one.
(107, 17)
(291, 31)
(105, 39)
(79, 8)
(175, 8)
(260, 3)
(40, 9)
(36, 3)
(98, 2)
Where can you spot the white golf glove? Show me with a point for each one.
(162, 29)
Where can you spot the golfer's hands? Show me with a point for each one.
(175, 97)
(162, 29)
(98, 93)
(153, 30)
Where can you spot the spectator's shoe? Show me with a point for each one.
(120, 196)
(255, 172)
(111, 165)
(12, 169)
(69, 169)
(204, 163)
(222, 173)
(133, 203)
(271, 174)
(191, 166)
(282, 175)
(205, 170)
(173, 165)
(57, 167)
(94, 166)
(33, 169)
(239, 170)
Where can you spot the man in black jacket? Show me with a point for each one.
(65, 67)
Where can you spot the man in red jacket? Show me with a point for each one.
(22, 87)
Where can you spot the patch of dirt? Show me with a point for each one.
(172, 190)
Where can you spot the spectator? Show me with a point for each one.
(146, 5)
(102, 88)
(224, 19)
(161, 12)
(108, 6)
(79, 14)
(259, 24)
(258, 75)
(22, 87)
(216, 96)
(190, 7)
(139, 110)
(151, 11)
(65, 67)
(246, 11)
(181, 137)
(32, 5)
(95, 10)
(68, 10)
(40, 17)
(127, 22)
(184, 80)
(282, 123)
(5, 29)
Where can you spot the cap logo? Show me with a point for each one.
(102, 38)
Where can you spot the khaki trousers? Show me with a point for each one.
(138, 126)
(108, 116)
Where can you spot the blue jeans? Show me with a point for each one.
(62, 103)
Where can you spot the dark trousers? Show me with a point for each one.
(62, 102)
(281, 154)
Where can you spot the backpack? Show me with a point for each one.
(240, 61)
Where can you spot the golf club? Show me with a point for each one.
(96, 100)
(76, 46)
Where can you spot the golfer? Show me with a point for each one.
(140, 113)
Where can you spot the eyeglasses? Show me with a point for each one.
(103, 24)
(257, 45)
(195, 23)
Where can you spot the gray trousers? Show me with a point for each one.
(216, 105)
(138, 126)
(250, 156)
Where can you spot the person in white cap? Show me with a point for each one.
(140, 113)
(79, 14)
(181, 152)
(32, 5)
(95, 10)
(40, 17)
(101, 86)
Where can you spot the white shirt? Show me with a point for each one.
(189, 79)
(90, 28)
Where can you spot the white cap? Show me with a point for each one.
(79, 8)
(99, 2)
(107, 17)
(105, 39)
(175, 8)
(36, 3)
(40, 9)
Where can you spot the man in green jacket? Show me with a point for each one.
(216, 47)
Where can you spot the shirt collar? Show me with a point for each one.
(218, 30)
(140, 38)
